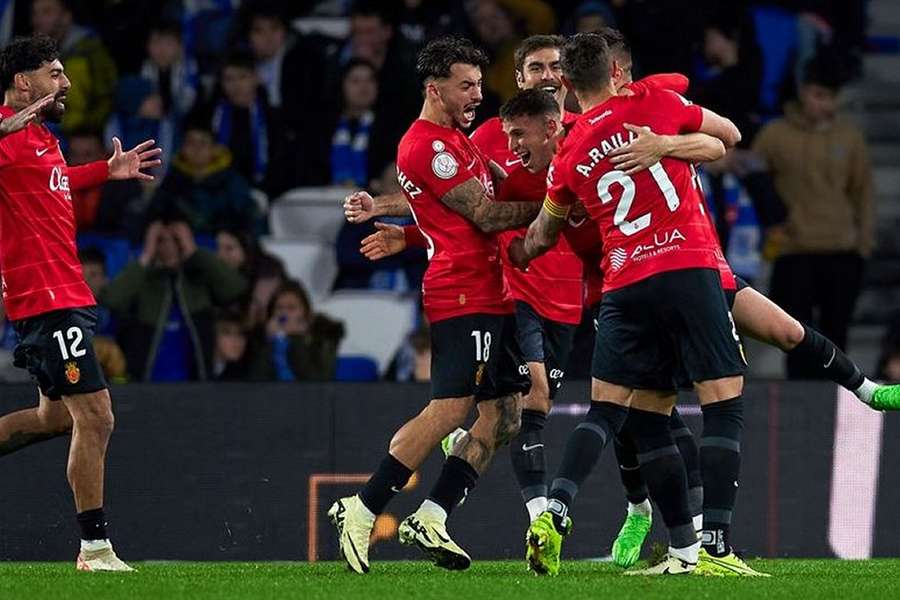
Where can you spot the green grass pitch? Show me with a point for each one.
(791, 579)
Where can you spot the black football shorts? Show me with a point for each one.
(544, 341)
(57, 348)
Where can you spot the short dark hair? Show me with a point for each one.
(825, 72)
(25, 54)
(615, 39)
(92, 255)
(534, 43)
(167, 27)
(373, 8)
(585, 61)
(436, 58)
(241, 59)
(529, 103)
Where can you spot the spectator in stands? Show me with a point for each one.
(731, 86)
(109, 353)
(271, 43)
(296, 344)
(413, 360)
(351, 161)
(165, 301)
(230, 361)
(821, 170)
(246, 124)
(421, 20)
(87, 62)
(372, 39)
(114, 207)
(172, 72)
(140, 114)
(236, 249)
(500, 25)
(268, 276)
(593, 15)
(203, 186)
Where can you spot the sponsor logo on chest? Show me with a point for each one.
(58, 181)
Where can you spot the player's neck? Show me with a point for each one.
(17, 102)
(590, 100)
(434, 114)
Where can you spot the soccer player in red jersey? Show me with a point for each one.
(662, 309)
(450, 190)
(44, 292)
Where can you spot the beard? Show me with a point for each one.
(54, 111)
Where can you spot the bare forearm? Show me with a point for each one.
(500, 216)
(542, 235)
(694, 147)
(391, 205)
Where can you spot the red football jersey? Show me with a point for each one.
(552, 286)
(464, 274)
(652, 222)
(38, 259)
(494, 144)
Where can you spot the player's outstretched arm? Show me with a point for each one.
(360, 206)
(542, 235)
(720, 127)
(21, 119)
(649, 148)
(469, 200)
(131, 164)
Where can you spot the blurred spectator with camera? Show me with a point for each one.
(295, 344)
(203, 186)
(820, 165)
(109, 353)
(165, 301)
(413, 360)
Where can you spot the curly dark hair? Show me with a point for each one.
(436, 58)
(615, 39)
(25, 54)
(585, 61)
(529, 103)
(534, 43)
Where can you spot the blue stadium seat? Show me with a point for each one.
(356, 368)
(117, 250)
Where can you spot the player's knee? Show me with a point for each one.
(538, 399)
(450, 414)
(94, 413)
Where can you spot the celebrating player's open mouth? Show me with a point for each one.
(469, 114)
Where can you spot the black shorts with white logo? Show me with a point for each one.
(57, 348)
(476, 355)
(669, 326)
(544, 341)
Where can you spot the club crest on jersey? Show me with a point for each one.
(73, 373)
(58, 181)
(444, 165)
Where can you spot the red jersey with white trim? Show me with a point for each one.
(494, 143)
(583, 237)
(464, 274)
(552, 286)
(651, 222)
(38, 258)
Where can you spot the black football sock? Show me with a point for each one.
(527, 453)
(453, 484)
(384, 484)
(602, 422)
(663, 470)
(720, 465)
(629, 468)
(690, 454)
(93, 524)
(821, 356)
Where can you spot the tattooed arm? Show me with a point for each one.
(359, 206)
(470, 200)
(542, 235)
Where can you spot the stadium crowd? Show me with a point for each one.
(252, 99)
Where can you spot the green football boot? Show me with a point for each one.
(543, 544)
(626, 549)
(730, 565)
(886, 397)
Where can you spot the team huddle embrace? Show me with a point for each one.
(535, 216)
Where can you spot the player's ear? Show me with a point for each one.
(21, 82)
(520, 79)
